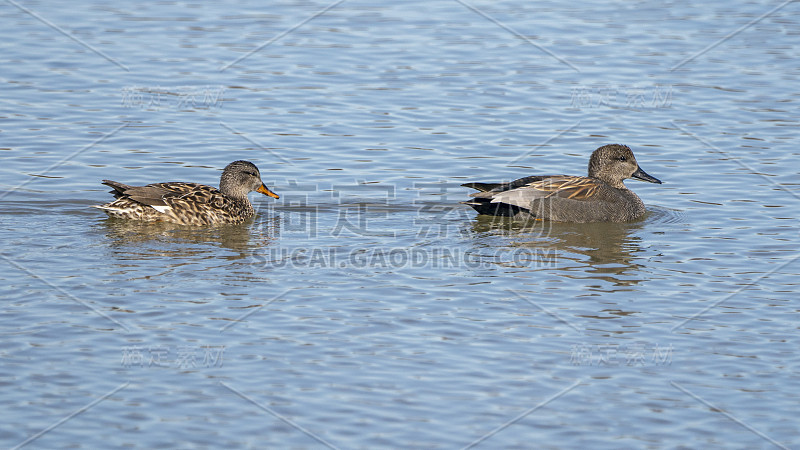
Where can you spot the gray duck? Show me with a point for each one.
(599, 197)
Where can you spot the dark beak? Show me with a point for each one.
(642, 175)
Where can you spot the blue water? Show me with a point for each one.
(367, 308)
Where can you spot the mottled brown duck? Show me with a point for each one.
(190, 203)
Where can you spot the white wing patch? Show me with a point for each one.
(161, 209)
(518, 197)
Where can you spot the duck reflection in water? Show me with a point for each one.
(610, 250)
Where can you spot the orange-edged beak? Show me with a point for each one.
(263, 189)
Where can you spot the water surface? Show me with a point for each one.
(367, 308)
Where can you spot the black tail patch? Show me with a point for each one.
(483, 187)
(486, 207)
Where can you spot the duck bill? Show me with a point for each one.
(642, 175)
(263, 189)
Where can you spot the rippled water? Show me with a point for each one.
(367, 308)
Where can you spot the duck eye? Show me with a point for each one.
(622, 158)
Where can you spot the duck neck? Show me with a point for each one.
(241, 204)
(237, 196)
(616, 184)
(232, 190)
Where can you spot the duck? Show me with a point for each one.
(599, 197)
(190, 203)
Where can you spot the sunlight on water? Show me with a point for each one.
(367, 307)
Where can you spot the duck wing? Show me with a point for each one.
(483, 202)
(552, 187)
(554, 197)
(500, 187)
(161, 196)
(563, 198)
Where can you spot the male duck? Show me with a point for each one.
(600, 197)
(190, 203)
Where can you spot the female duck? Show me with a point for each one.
(190, 203)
